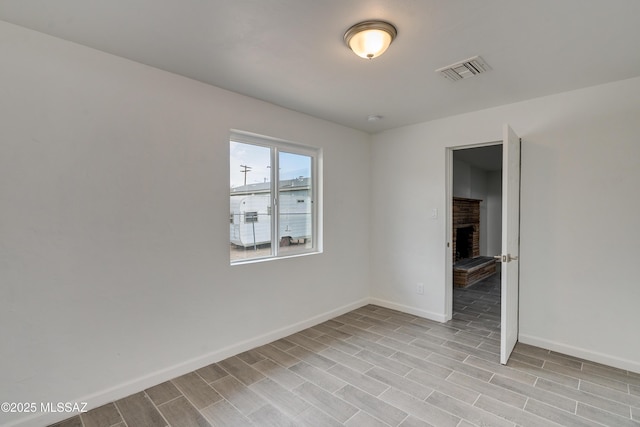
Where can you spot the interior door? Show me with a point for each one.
(510, 242)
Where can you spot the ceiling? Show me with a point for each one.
(291, 52)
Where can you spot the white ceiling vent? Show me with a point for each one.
(464, 69)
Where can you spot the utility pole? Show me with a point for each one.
(246, 169)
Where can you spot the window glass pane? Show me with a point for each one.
(295, 202)
(250, 201)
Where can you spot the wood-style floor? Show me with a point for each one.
(379, 367)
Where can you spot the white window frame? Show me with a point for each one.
(276, 146)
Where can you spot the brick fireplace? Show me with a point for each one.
(468, 266)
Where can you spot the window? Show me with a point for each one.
(273, 198)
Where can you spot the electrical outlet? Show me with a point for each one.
(420, 289)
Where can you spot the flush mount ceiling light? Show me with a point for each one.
(369, 39)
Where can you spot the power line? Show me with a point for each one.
(246, 169)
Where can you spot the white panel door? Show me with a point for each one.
(510, 242)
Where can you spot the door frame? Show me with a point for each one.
(448, 293)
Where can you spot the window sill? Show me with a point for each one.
(274, 258)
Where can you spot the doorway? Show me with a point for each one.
(476, 225)
(510, 236)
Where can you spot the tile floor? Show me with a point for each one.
(379, 367)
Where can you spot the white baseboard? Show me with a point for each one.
(438, 317)
(605, 359)
(141, 383)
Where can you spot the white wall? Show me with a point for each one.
(114, 256)
(580, 177)
(494, 213)
(461, 178)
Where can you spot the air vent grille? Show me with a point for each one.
(464, 69)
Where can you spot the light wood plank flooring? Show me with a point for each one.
(379, 367)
